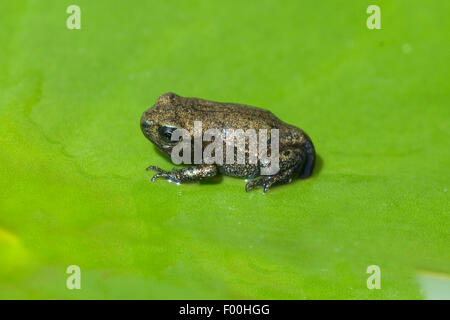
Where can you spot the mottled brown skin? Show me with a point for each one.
(296, 151)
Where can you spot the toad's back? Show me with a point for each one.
(230, 115)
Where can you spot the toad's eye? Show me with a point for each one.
(165, 133)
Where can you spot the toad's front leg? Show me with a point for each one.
(195, 173)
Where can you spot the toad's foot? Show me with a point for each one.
(163, 174)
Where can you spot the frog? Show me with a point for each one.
(170, 112)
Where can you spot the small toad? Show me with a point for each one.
(171, 112)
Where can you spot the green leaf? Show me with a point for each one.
(73, 186)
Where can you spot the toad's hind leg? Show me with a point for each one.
(291, 161)
(267, 181)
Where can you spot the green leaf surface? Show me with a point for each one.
(73, 189)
